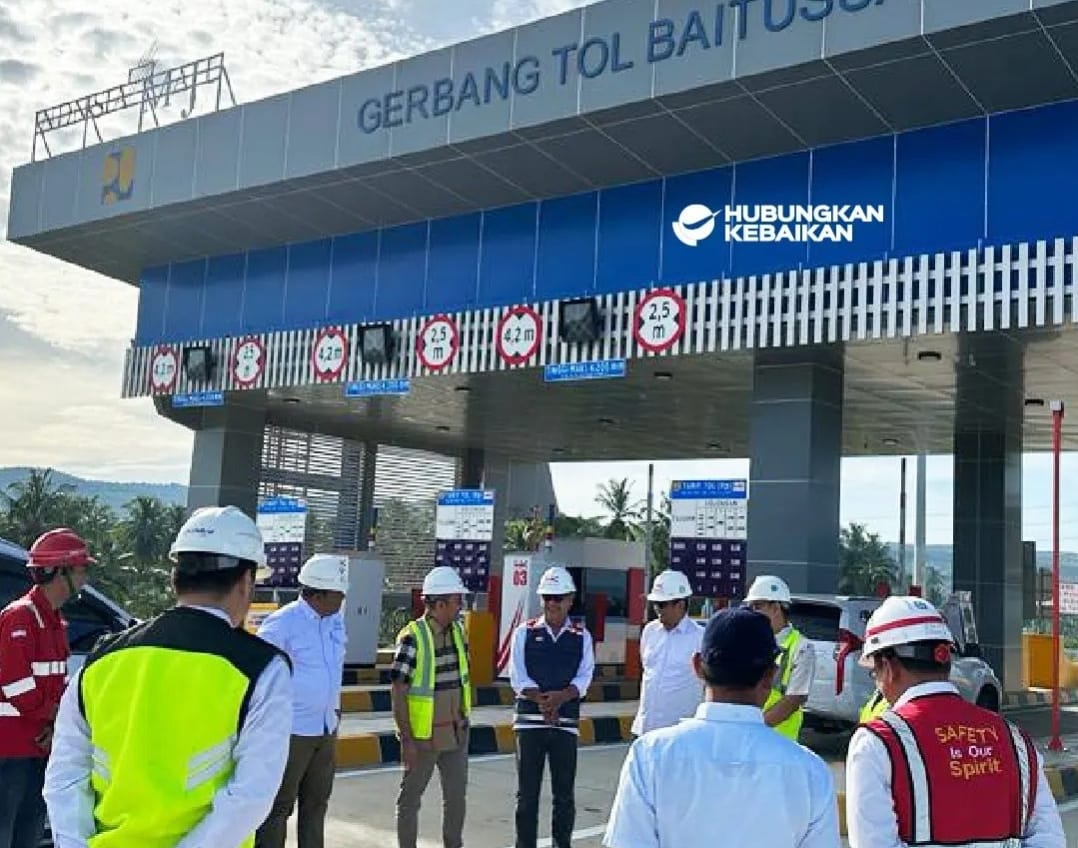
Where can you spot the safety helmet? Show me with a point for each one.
(328, 572)
(443, 580)
(59, 548)
(556, 581)
(223, 530)
(901, 621)
(670, 585)
(768, 588)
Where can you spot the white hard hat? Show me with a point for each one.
(768, 588)
(902, 620)
(556, 581)
(670, 585)
(325, 571)
(443, 580)
(223, 530)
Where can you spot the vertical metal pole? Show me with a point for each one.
(1057, 437)
(902, 528)
(919, 539)
(647, 527)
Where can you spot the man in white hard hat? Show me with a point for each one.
(432, 702)
(784, 709)
(670, 689)
(551, 663)
(310, 630)
(175, 732)
(934, 768)
(723, 777)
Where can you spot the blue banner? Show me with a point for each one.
(466, 497)
(198, 399)
(603, 369)
(703, 489)
(376, 388)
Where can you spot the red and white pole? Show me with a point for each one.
(1056, 744)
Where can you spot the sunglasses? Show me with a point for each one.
(663, 604)
(555, 599)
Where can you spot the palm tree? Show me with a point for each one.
(864, 563)
(33, 506)
(144, 529)
(615, 496)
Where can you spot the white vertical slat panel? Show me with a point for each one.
(1072, 289)
(1006, 292)
(737, 324)
(906, 290)
(1023, 277)
(623, 328)
(804, 305)
(832, 303)
(273, 360)
(1057, 292)
(988, 298)
(893, 280)
(816, 319)
(777, 308)
(939, 281)
(703, 307)
(724, 323)
(1040, 292)
(923, 284)
(877, 299)
(750, 320)
(790, 282)
(546, 314)
(971, 274)
(681, 346)
(955, 274)
(847, 287)
(715, 290)
(765, 311)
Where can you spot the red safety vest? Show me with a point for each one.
(960, 775)
(33, 672)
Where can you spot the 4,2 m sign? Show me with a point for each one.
(519, 334)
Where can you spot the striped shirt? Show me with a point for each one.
(449, 723)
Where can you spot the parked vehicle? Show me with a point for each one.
(835, 627)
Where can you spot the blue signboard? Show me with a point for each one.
(695, 489)
(281, 505)
(193, 399)
(604, 369)
(376, 388)
(466, 497)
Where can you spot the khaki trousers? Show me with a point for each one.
(312, 763)
(453, 772)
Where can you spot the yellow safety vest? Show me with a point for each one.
(874, 707)
(164, 704)
(421, 692)
(791, 727)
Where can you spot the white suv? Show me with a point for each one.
(835, 627)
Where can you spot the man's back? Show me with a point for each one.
(723, 778)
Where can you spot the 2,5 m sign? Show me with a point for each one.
(659, 320)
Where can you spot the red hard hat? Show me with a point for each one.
(58, 549)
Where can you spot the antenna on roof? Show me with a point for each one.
(143, 75)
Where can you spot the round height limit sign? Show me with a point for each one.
(520, 333)
(438, 342)
(164, 368)
(330, 353)
(660, 320)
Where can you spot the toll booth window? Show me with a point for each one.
(612, 583)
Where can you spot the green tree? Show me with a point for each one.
(864, 562)
(525, 534)
(615, 497)
(572, 526)
(32, 506)
(934, 590)
(143, 531)
(660, 535)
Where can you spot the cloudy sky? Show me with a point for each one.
(63, 331)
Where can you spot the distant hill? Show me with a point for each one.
(115, 495)
(940, 557)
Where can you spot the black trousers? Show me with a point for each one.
(534, 747)
(22, 809)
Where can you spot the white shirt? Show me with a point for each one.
(870, 813)
(518, 670)
(722, 778)
(315, 645)
(239, 807)
(804, 664)
(670, 689)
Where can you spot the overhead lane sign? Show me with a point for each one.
(603, 369)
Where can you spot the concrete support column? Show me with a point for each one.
(366, 494)
(226, 462)
(988, 497)
(795, 442)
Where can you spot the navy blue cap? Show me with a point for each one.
(738, 639)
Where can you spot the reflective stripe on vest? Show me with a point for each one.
(420, 695)
(913, 788)
(791, 726)
(875, 707)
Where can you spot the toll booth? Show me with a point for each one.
(603, 571)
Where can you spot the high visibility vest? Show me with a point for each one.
(874, 707)
(944, 752)
(791, 727)
(165, 703)
(421, 692)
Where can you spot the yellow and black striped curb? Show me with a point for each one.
(1018, 700)
(378, 700)
(371, 749)
(355, 676)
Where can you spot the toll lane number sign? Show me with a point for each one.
(660, 320)
(330, 354)
(249, 362)
(164, 367)
(438, 342)
(520, 332)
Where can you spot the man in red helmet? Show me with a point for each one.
(33, 671)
